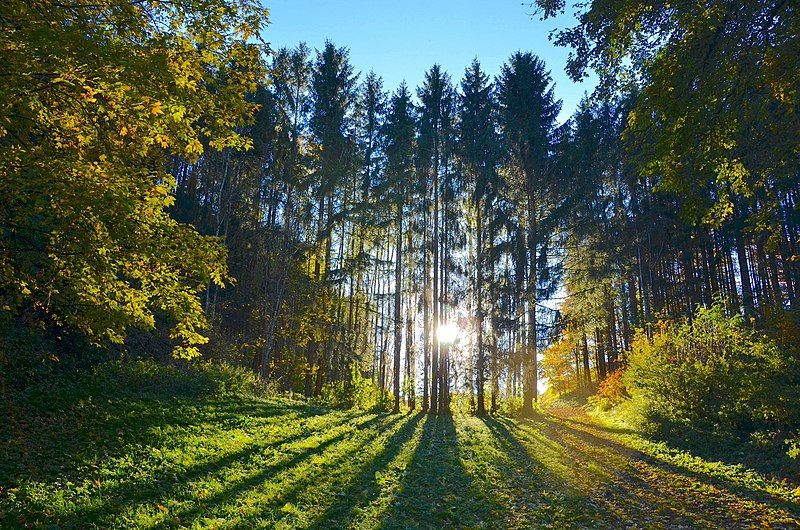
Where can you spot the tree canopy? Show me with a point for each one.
(96, 99)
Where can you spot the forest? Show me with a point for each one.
(246, 286)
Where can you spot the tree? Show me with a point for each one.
(94, 99)
(332, 88)
(290, 79)
(399, 134)
(436, 100)
(479, 150)
(714, 123)
(528, 110)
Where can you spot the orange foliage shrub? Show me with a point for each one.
(611, 391)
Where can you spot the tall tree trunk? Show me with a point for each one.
(586, 369)
(426, 304)
(529, 394)
(436, 323)
(444, 355)
(410, 357)
(398, 321)
(481, 364)
(744, 277)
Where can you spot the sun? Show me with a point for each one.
(447, 333)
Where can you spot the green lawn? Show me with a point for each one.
(222, 462)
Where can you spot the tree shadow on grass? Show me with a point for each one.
(770, 461)
(543, 499)
(437, 492)
(365, 487)
(271, 472)
(58, 444)
(605, 428)
(76, 445)
(583, 444)
(611, 493)
(160, 488)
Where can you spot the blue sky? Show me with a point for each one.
(400, 39)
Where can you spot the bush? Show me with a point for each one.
(358, 393)
(715, 375)
(30, 357)
(611, 391)
(511, 406)
(794, 447)
(149, 379)
(783, 325)
(225, 378)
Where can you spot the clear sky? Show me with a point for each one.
(400, 39)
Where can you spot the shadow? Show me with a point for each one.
(271, 472)
(618, 491)
(772, 461)
(567, 434)
(60, 443)
(365, 487)
(544, 498)
(437, 492)
(394, 424)
(160, 488)
(512, 446)
(75, 441)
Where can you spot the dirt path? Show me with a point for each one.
(621, 480)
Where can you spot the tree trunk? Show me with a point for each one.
(744, 277)
(481, 364)
(398, 322)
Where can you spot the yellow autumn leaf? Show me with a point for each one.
(89, 94)
(195, 147)
(178, 113)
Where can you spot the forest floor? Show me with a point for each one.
(119, 462)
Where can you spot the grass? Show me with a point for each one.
(105, 456)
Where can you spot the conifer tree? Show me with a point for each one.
(333, 93)
(479, 151)
(436, 99)
(399, 139)
(528, 111)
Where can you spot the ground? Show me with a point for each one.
(252, 463)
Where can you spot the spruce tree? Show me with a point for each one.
(528, 111)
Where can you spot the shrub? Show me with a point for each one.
(358, 393)
(148, 378)
(511, 406)
(714, 374)
(30, 357)
(783, 325)
(611, 391)
(794, 447)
